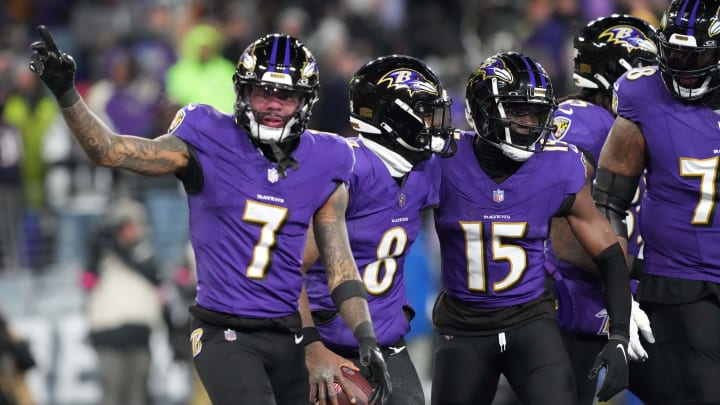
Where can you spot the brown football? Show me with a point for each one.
(358, 385)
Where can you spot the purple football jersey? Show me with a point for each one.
(583, 124)
(677, 218)
(581, 308)
(635, 239)
(491, 235)
(248, 225)
(383, 221)
(587, 126)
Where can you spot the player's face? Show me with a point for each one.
(522, 115)
(438, 117)
(273, 106)
(692, 61)
(525, 121)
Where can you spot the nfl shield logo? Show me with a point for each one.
(498, 195)
(401, 200)
(230, 335)
(273, 175)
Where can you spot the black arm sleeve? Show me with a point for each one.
(616, 288)
(347, 289)
(613, 194)
(638, 268)
(193, 180)
(588, 156)
(566, 206)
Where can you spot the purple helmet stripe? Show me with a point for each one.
(691, 30)
(273, 56)
(691, 21)
(287, 55)
(679, 17)
(543, 82)
(530, 70)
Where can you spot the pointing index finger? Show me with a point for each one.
(47, 38)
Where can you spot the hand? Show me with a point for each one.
(639, 321)
(371, 356)
(614, 359)
(56, 69)
(324, 369)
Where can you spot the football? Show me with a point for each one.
(358, 385)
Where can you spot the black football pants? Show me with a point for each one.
(407, 388)
(688, 340)
(645, 377)
(533, 359)
(258, 368)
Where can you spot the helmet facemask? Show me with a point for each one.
(276, 68)
(272, 126)
(397, 102)
(522, 127)
(689, 51)
(517, 125)
(422, 129)
(689, 72)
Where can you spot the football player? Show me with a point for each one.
(255, 180)
(603, 50)
(402, 113)
(667, 126)
(498, 195)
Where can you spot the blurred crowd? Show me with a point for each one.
(140, 60)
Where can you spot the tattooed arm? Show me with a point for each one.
(163, 155)
(346, 289)
(311, 254)
(332, 242)
(56, 69)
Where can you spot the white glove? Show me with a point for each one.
(639, 321)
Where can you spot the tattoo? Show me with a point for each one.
(332, 240)
(624, 149)
(355, 311)
(163, 155)
(334, 246)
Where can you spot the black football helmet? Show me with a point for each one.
(510, 83)
(398, 102)
(277, 62)
(689, 46)
(608, 47)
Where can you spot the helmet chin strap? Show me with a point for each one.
(284, 161)
(268, 134)
(514, 153)
(692, 94)
(271, 137)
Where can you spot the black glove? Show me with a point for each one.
(614, 358)
(372, 358)
(56, 69)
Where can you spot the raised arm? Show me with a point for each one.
(347, 291)
(163, 155)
